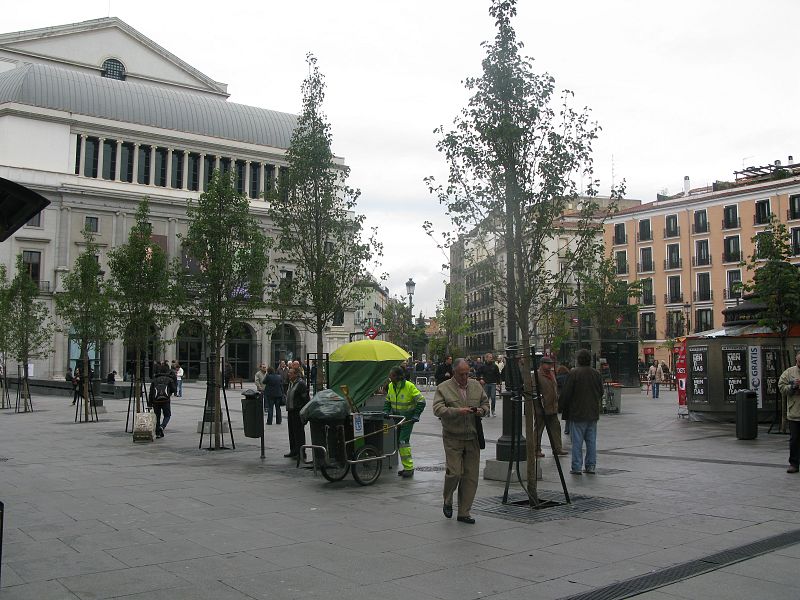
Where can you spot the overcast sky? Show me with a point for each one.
(696, 88)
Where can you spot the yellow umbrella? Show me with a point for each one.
(369, 350)
(363, 366)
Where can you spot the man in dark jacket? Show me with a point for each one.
(548, 387)
(581, 398)
(489, 378)
(161, 388)
(444, 371)
(273, 395)
(296, 398)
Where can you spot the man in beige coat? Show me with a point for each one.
(789, 385)
(456, 403)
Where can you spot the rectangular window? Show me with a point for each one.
(269, 173)
(673, 260)
(78, 148)
(240, 174)
(209, 163)
(795, 241)
(92, 153)
(671, 228)
(702, 254)
(621, 259)
(646, 258)
(109, 159)
(734, 289)
(32, 262)
(731, 251)
(762, 215)
(703, 293)
(762, 244)
(193, 183)
(647, 292)
(794, 207)
(619, 234)
(674, 323)
(645, 234)
(255, 180)
(92, 224)
(161, 167)
(700, 221)
(283, 172)
(126, 163)
(674, 289)
(36, 221)
(143, 174)
(224, 165)
(703, 319)
(730, 218)
(176, 177)
(648, 326)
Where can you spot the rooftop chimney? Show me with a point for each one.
(791, 160)
(777, 163)
(686, 185)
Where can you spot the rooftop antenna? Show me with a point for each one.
(612, 171)
(745, 160)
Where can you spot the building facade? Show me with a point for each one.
(95, 116)
(688, 249)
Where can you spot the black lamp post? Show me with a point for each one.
(687, 311)
(410, 286)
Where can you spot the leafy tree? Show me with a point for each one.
(605, 300)
(223, 277)
(30, 329)
(452, 321)
(85, 307)
(776, 285)
(516, 156)
(141, 290)
(397, 322)
(318, 230)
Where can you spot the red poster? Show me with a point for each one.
(680, 377)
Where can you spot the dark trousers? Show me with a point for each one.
(273, 403)
(160, 409)
(794, 442)
(297, 432)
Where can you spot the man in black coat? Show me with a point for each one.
(162, 387)
(296, 398)
(489, 377)
(444, 371)
(580, 399)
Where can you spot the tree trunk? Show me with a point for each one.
(137, 380)
(87, 380)
(530, 433)
(218, 383)
(320, 381)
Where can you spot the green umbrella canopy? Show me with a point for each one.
(363, 366)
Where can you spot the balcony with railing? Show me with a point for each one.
(673, 298)
(701, 260)
(762, 218)
(646, 267)
(673, 262)
(620, 238)
(44, 287)
(644, 236)
(732, 256)
(622, 268)
(647, 299)
(649, 333)
(792, 214)
(732, 223)
(700, 227)
(703, 295)
(671, 232)
(733, 292)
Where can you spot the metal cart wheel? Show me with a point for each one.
(335, 471)
(367, 473)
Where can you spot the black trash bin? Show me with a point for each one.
(252, 414)
(746, 415)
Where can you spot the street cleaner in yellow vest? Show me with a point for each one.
(403, 398)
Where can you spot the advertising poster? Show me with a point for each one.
(680, 379)
(734, 369)
(698, 373)
(754, 373)
(770, 374)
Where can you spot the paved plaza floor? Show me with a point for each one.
(89, 514)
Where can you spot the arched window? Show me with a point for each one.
(113, 69)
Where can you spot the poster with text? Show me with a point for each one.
(698, 373)
(734, 368)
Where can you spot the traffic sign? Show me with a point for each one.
(371, 332)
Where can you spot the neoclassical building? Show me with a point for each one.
(95, 116)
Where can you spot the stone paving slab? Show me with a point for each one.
(91, 515)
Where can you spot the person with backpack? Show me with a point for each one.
(161, 388)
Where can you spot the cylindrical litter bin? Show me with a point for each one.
(252, 414)
(746, 415)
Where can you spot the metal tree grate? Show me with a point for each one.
(553, 508)
(651, 581)
(430, 468)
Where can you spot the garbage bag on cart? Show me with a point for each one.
(326, 405)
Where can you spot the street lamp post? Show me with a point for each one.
(410, 286)
(687, 311)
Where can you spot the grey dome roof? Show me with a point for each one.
(130, 102)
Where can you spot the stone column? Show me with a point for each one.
(101, 142)
(135, 163)
(118, 162)
(117, 358)
(169, 168)
(172, 237)
(82, 164)
(60, 357)
(201, 173)
(62, 245)
(184, 184)
(151, 179)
